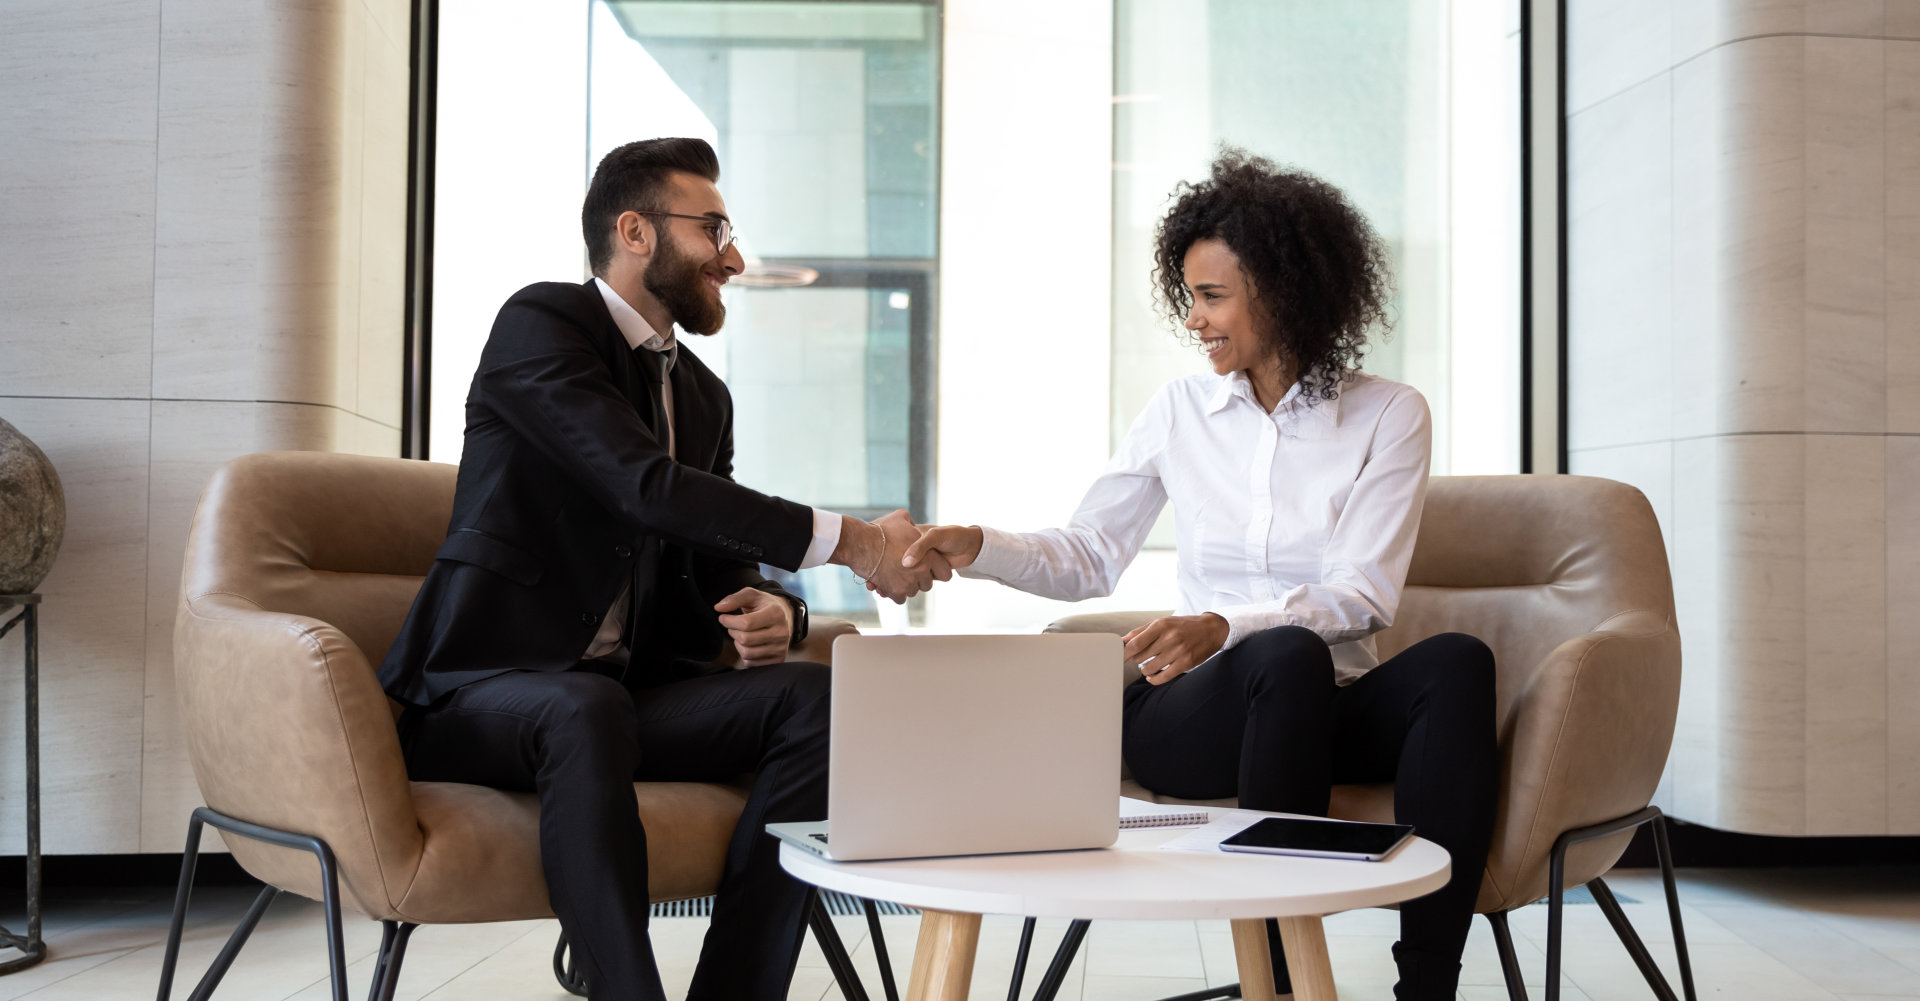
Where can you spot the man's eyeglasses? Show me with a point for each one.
(720, 229)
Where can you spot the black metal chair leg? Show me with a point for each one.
(838, 961)
(189, 860)
(1509, 960)
(393, 949)
(567, 970)
(1556, 888)
(880, 949)
(170, 960)
(330, 894)
(235, 941)
(1556, 893)
(336, 940)
(1020, 958)
(1056, 974)
(1610, 906)
(388, 929)
(1665, 852)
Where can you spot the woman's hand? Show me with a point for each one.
(1169, 647)
(960, 544)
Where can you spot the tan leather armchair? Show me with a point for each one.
(299, 570)
(1566, 578)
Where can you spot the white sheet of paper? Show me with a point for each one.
(1206, 840)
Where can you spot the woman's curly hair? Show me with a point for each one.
(1319, 272)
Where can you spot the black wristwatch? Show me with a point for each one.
(799, 618)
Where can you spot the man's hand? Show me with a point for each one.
(959, 545)
(1169, 647)
(894, 578)
(861, 551)
(760, 623)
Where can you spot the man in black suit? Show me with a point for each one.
(598, 557)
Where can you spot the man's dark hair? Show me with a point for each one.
(1319, 273)
(633, 178)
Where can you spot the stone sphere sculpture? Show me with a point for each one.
(33, 513)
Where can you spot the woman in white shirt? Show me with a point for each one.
(1297, 483)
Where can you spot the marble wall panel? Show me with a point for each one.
(1620, 257)
(208, 302)
(91, 640)
(1760, 571)
(383, 234)
(350, 218)
(1844, 379)
(1613, 45)
(1761, 250)
(76, 197)
(393, 19)
(1903, 634)
(299, 229)
(1693, 766)
(1845, 610)
(1902, 131)
(1700, 25)
(1698, 220)
(1794, 336)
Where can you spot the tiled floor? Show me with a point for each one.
(1805, 935)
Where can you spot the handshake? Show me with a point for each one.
(900, 559)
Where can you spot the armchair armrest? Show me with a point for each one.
(1117, 623)
(287, 727)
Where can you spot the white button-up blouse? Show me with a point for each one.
(1304, 516)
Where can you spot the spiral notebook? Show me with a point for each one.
(1137, 813)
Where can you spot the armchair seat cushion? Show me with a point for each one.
(480, 851)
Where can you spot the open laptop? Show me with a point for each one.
(969, 745)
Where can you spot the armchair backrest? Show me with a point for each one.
(1526, 563)
(300, 568)
(1566, 578)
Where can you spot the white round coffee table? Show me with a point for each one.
(1133, 880)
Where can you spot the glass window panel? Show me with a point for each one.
(824, 117)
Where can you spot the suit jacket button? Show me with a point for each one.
(623, 551)
(588, 618)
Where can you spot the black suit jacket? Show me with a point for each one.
(566, 493)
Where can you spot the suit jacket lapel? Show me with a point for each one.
(696, 430)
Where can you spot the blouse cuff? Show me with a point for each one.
(1245, 620)
(1002, 555)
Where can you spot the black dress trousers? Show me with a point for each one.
(1265, 721)
(580, 739)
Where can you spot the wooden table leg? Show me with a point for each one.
(1250, 953)
(943, 958)
(1307, 962)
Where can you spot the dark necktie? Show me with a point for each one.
(657, 365)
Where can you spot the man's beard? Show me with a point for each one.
(674, 278)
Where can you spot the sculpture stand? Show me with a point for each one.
(33, 949)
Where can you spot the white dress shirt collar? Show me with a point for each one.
(635, 328)
(1236, 385)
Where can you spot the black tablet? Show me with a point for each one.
(1319, 838)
